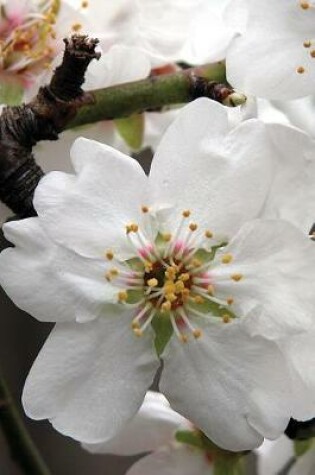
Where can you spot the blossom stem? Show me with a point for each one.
(22, 448)
(158, 92)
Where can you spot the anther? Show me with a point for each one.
(166, 307)
(148, 266)
(237, 277)
(300, 70)
(109, 255)
(76, 27)
(166, 237)
(198, 299)
(144, 209)
(184, 277)
(196, 263)
(193, 226)
(210, 289)
(153, 282)
(197, 333)
(304, 5)
(138, 331)
(312, 53)
(122, 296)
(186, 213)
(230, 301)
(84, 4)
(227, 258)
(208, 234)
(183, 338)
(226, 318)
(307, 43)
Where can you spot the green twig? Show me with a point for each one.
(23, 451)
(158, 92)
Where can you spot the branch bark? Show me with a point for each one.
(157, 92)
(43, 118)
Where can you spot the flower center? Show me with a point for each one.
(26, 35)
(170, 279)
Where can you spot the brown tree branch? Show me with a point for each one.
(43, 118)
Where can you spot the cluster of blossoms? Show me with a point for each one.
(204, 268)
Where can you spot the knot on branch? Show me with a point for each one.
(43, 118)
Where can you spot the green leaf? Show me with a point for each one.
(163, 331)
(131, 129)
(11, 93)
(302, 446)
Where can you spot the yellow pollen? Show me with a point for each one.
(237, 277)
(210, 289)
(185, 294)
(300, 70)
(166, 307)
(226, 318)
(122, 296)
(208, 234)
(179, 286)
(193, 226)
(186, 213)
(167, 237)
(196, 263)
(153, 283)
(199, 300)
(76, 27)
(132, 228)
(184, 277)
(227, 258)
(170, 273)
(109, 255)
(148, 266)
(183, 338)
(304, 5)
(145, 209)
(230, 301)
(138, 331)
(307, 43)
(114, 272)
(170, 297)
(197, 333)
(135, 324)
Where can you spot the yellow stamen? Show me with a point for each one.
(184, 277)
(122, 296)
(145, 209)
(300, 70)
(193, 226)
(199, 300)
(304, 5)
(210, 289)
(230, 301)
(186, 213)
(237, 277)
(227, 258)
(109, 255)
(153, 282)
(226, 318)
(167, 237)
(183, 338)
(208, 234)
(197, 333)
(166, 307)
(76, 27)
(138, 331)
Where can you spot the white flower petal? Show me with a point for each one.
(232, 386)
(292, 195)
(90, 379)
(221, 177)
(265, 59)
(276, 293)
(89, 212)
(48, 281)
(152, 427)
(173, 461)
(300, 353)
(273, 456)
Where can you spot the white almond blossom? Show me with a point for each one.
(181, 265)
(153, 429)
(274, 55)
